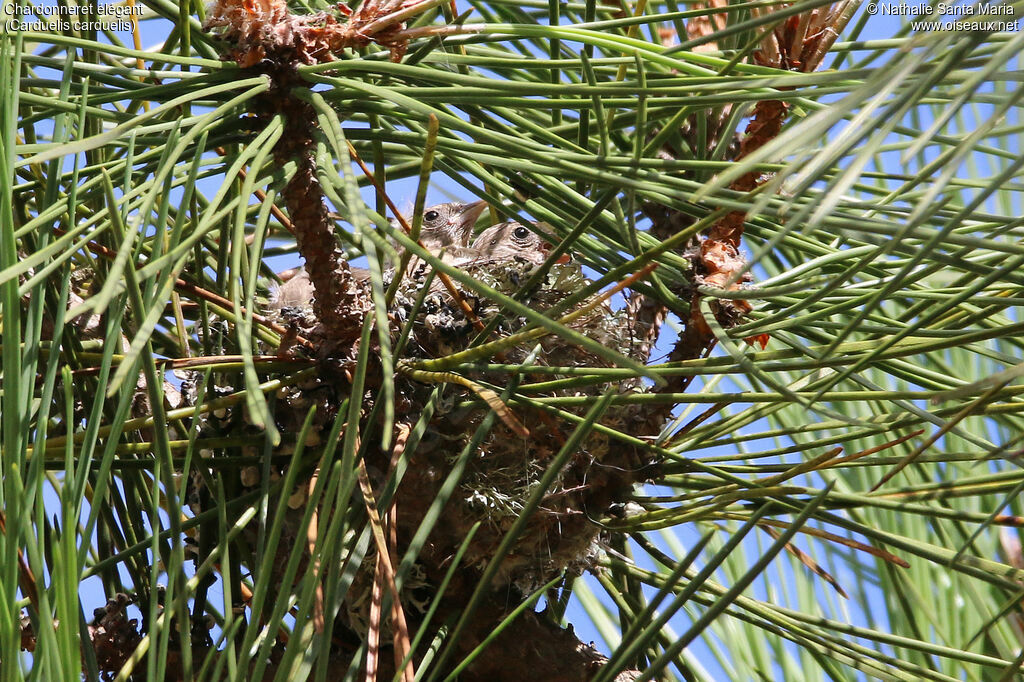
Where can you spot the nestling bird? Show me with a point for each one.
(507, 242)
(448, 225)
(506, 251)
(510, 241)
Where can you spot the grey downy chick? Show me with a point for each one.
(499, 246)
(502, 243)
(444, 226)
(448, 224)
(510, 241)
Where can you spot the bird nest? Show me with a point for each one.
(504, 470)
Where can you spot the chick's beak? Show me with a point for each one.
(562, 260)
(467, 219)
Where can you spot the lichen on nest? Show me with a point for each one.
(502, 473)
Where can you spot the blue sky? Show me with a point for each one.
(880, 26)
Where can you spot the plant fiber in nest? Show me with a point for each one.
(504, 471)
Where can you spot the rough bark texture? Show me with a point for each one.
(497, 479)
(798, 43)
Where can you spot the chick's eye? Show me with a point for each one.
(520, 233)
(431, 215)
